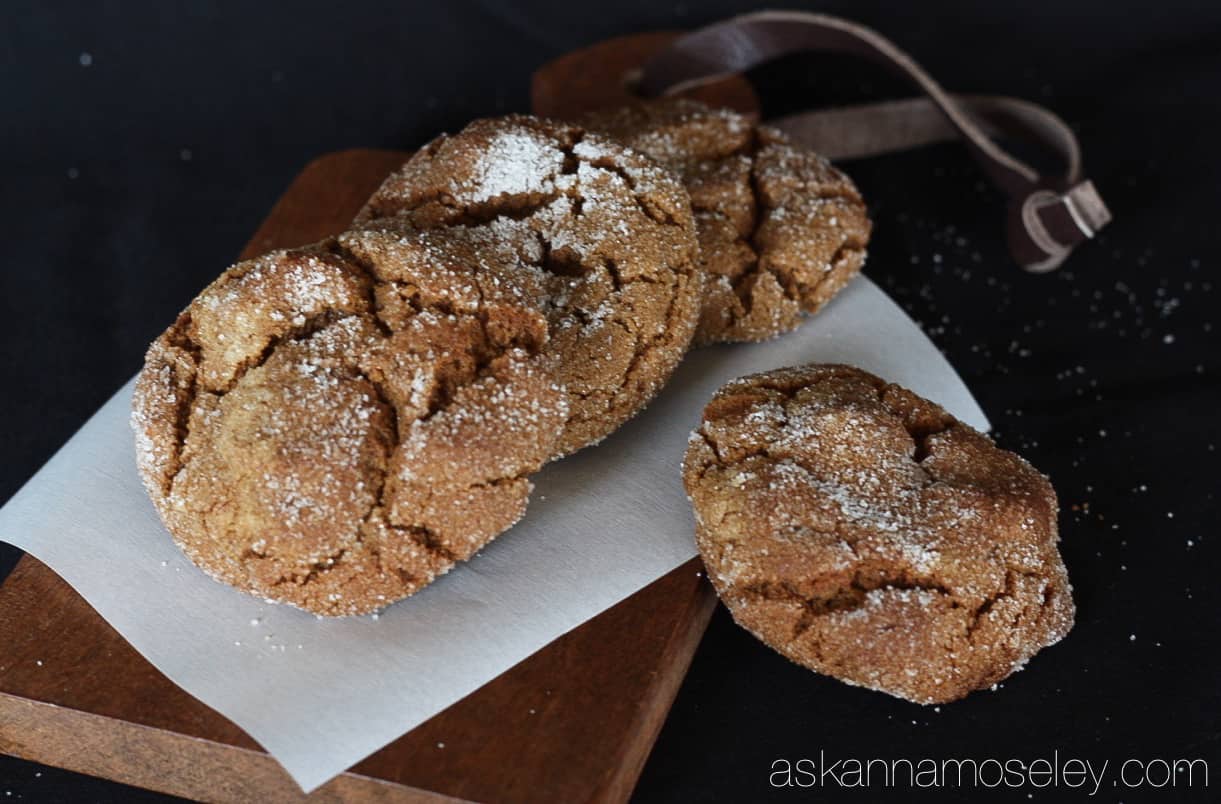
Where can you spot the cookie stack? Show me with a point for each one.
(336, 425)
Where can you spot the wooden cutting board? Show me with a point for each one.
(574, 722)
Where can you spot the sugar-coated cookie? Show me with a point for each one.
(314, 433)
(865, 533)
(334, 426)
(781, 231)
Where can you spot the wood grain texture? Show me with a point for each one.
(574, 722)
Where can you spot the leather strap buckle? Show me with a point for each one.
(1045, 220)
(1046, 226)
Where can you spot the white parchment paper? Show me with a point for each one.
(601, 525)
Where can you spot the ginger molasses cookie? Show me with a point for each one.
(865, 533)
(608, 234)
(333, 426)
(781, 231)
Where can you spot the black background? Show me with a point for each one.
(128, 183)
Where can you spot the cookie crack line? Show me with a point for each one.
(660, 339)
(921, 436)
(353, 260)
(427, 539)
(181, 339)
(313, 325)
(661, 217)
(483, 359)
(379, 500)
(848, 598)
(756, 222)
(829, 270)
(570, 165)
(1006, 592)
(314, 570)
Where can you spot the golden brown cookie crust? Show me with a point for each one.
(614, 244)
(781, 231)
(315, 433)
(865, 533)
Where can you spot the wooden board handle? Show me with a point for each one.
(599, 76)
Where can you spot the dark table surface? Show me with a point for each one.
(143, 142)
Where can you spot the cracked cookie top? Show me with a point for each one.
(781, 231)
(333, 426)
(608, 233)
(865, 533)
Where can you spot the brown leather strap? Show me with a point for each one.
(1049, 215)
